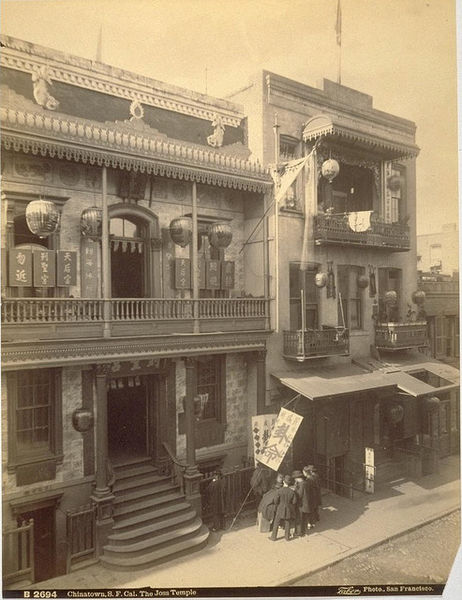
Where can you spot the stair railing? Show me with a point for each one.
(173, 467)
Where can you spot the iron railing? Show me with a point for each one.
(334, 229)
(400, 336)
(18, 553)
(236, 492)
(302, 345)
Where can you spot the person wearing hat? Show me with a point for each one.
(267, 509)
(301, 515)
(286, 502)
(261, 481)
(313, 495)
(216, 499)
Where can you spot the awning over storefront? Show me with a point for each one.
(411, 385)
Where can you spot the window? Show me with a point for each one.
(436, 257)
(389, 280)
(209, 388)
(349, 296)
(34, 411)
(352, 190)
(302, 287)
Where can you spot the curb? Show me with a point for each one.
(294, 578)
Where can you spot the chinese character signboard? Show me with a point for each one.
(282, 434)
(202, 274)
(20, 267)
(182, 274)
(261, 431)
(212, 274)
(369, 470)
(44, 268)
(89, 268)
(227, 275)
(66, 271)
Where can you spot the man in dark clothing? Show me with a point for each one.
(267, 509)
(314, 494)
(304, 494)
(286, 502)
(216, 498)
(261, 481)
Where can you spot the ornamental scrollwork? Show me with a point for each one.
(41, 79)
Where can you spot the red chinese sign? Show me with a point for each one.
(182, 274)
(66, 268)
(44, 268)
(20, 267)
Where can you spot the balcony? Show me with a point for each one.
(335, 230)
(400, 336)
(315, 343)
(72, 318)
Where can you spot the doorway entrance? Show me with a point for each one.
(130, 403)
(44, 541)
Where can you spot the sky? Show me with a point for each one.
(402, 52)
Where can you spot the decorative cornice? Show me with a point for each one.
(25, 56)
(45, 354)
(94, 143)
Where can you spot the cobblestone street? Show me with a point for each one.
(421, 556)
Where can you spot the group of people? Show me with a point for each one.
(292, 502)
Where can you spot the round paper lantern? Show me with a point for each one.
(220, 234)
(396, 413)
(418, 297)
(91, 221)
(181, 231)
(320, 280)
(82, 419)
(432, 403)
(330, 169)
(363, 281)
(394, 183)
(42, 217)
(391, 298)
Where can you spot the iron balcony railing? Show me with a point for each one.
(311, 343)
(439, 287)
(400, 336)
(72, 310)
(334, 229)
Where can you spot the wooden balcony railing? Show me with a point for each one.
(72, 310)
(81, 534)
(334, 229)
(18, 553)
(400, 336)
(303, 345)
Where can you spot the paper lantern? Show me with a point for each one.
(396, 413)
(330, 169)
(220, 234)
(82, 419)
(181, 231)
(432, 403)
(42, 217)
(418, 297)
(391, 298)
(320, 280)
(362, 281)
(91, 221)
(394, 183)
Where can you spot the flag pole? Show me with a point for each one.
(276, 228)
(338, 32)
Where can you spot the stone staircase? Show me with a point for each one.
(153, 522)
(390, 470)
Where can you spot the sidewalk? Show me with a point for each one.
(244, 557)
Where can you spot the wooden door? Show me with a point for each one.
(44, 541)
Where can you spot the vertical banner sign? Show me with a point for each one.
(212, 274)
(89, 268)
(369, 470)
(66, 268)
(182, 274)
(261, 431)
(44, 264)
(20, 267)
(283, 433)
(202, 274)
(227, 275)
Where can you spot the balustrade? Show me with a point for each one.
(310, 343)
(399, 336)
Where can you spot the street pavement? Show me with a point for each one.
(244, 557)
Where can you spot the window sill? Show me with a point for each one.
(25, 460)
(359, 333)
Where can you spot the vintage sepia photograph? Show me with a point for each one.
(230, 298)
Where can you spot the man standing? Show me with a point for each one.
(261, 481)
(216, 498)
(313, 486)
(304, 493)
(286, 502)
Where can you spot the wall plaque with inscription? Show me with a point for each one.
(66, 268)
(20, 267)
(182, 273)
(44, 268)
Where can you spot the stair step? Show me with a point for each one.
(136, 471)
(140, 548)
(175, 550)
(137, 534)
(144, 492)
(150, 517)
(147, 504)
(129, 483)
(131, 464)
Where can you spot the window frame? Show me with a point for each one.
(296, 300)
(347, 301)
(54, 450)
(220, 386)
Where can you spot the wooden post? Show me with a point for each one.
(105, 274)
(195, 260)
(261, 382)
(192, 475)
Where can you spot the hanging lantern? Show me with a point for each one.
(320, 280)
(91, 221)
(362, 282)
(330, 169)
(418, 297)
(396, 413)
(394, 183)
(391, 298)
(432, 403)
(181, 231)
(220, 234)
(42, 217)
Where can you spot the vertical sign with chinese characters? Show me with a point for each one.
(261, 431)
(89, 268)
(20, 267)
(44, 268)
(212, 274)
(202, 274)
(227, 275)
(282, 434)
(369, 470)
(182, 274)
(66, 271)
